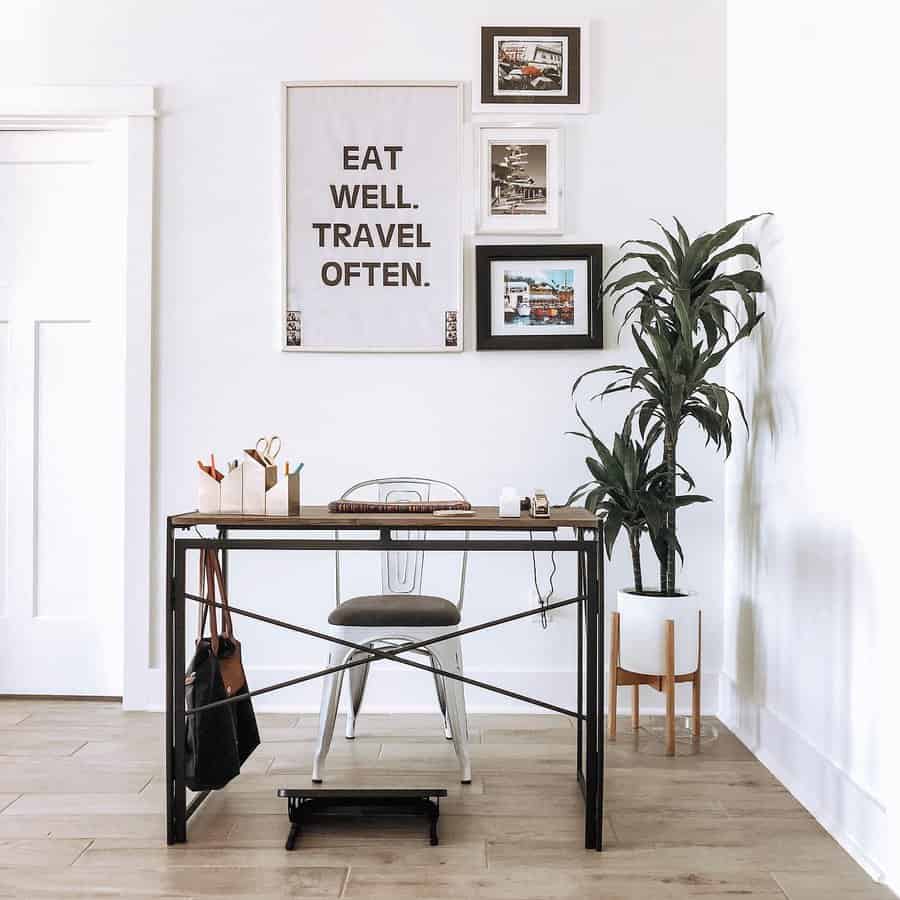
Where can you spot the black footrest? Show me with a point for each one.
(307, 803)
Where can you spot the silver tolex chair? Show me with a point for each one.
(399, 614)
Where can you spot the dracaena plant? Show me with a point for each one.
(629, 490)
(684, 322)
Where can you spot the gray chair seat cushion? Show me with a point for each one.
(410, 610)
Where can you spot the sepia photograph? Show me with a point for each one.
(543, 67)
(518, 179)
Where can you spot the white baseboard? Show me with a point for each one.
(850, 814)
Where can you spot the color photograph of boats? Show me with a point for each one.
(518, 179)
(543, 297)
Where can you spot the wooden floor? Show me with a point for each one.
(81, 800)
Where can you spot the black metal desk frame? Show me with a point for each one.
(588, 715)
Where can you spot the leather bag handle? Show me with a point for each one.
(208, 580)
(216, 567)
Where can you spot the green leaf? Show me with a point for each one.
(592, 501)
(727, 232)
(683, 235)
(578, 492)
(626, 281)
(622, 370)
(688, 499)
(677, 252)
(611, 528)
(656, 262)
(655, 245)
(646, 414)
(736, 250)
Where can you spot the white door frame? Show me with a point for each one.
(127, 112)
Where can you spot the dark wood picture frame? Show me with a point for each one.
(573, 65)
(487, 254)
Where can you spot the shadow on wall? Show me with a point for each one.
(768, 405)
(802, 599)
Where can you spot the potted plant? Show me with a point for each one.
(683, 326)
(628, 491)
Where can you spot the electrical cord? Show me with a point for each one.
(543, 601)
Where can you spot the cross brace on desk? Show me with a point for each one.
(589, 712)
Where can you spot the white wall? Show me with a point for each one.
(653, 146)
(807, 553)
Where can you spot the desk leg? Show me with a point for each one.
(579, 725)
(601, 680)
(179, 790)
(592, 837)
(170, 689)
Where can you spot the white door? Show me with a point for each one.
(61, 414)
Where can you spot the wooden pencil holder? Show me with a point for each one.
(619, 677)
(283, 498)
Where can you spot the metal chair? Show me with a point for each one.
(399, 614)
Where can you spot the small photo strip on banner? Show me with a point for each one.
(292, 328)
(451, 338)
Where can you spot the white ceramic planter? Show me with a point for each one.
(642, 646)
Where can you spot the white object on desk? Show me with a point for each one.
(259, 476)
(208, 494)
(283, 498)
(510, 507)
(233, 490)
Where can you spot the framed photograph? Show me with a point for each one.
(539, 297)
(544, 68)
(520, 179)
(371, 216)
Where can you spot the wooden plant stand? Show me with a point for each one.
(619, 677)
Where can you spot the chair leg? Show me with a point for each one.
(449, 657)
(635, 707)
(328, 708)
(356, 682)
(440, 690)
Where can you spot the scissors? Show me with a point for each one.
(269, 448)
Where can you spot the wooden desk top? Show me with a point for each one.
(318, 517)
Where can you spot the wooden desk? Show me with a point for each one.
(318, 517)
(514, 534)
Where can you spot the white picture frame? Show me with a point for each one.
(532, 199)
(311, 322)
(570, 96)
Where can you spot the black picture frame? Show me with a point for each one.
(573, 64)
(487, 254)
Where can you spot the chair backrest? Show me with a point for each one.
(401, 570)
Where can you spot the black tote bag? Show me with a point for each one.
(217, 741)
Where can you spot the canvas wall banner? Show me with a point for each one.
(372, 230)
